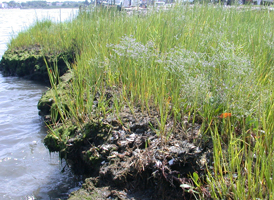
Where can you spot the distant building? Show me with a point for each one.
(4, 5)
(49, 3)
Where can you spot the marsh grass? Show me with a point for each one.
(196, 61)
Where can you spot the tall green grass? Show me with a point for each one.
(196, 61)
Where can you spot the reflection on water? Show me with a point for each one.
(27, 170)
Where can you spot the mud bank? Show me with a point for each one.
(30, 63)
(124, 154)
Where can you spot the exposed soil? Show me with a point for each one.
(132, 162)
(29, 62)
(126, 156)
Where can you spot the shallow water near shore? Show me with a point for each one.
(27, 169)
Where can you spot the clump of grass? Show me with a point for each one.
(199, 61)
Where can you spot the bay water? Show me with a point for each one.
(27, 169)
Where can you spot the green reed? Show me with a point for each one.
(196, 61)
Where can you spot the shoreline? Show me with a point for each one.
(119, 153)
(155, 106)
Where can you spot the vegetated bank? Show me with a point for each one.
(161, 104)
(27, 57)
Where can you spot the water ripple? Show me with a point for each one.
(27, 170)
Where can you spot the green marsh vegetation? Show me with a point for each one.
(192, 61)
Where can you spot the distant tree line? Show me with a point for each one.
(34, 4)
(45, 4)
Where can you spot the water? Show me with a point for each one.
(27, 170)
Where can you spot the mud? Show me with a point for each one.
(29, 62)
(126, 157)
(125, 154)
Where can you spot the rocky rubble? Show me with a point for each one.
(127, 158)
